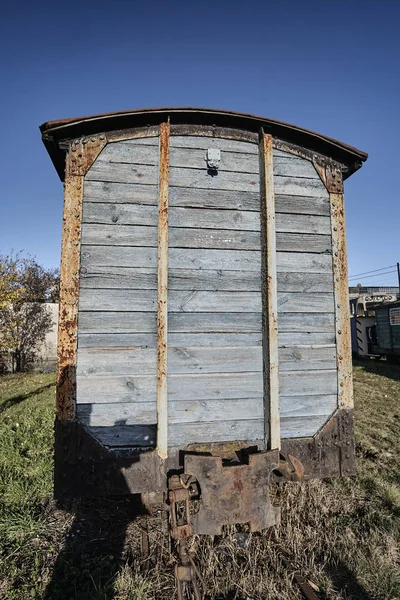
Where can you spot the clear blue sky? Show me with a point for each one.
(328, 66)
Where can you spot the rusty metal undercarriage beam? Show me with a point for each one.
(85, 468)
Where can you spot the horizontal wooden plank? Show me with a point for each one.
(108, 390)
(119, 235)
(178, 301)
(232, 260)
(121, 436)
(226, 431)
(294, 427)
(146, 322)
(289, 166)
(144, 141)
(193, 411)
(302, 262)
(236, 162)
(118, 300)
(122, 193)
(318, 205)
(134, 278)
(133, 153)
(138, 214)
(308, 383)
(298, 242)
(180, 387)
(308, 303)
(104, 340)
(214, 198)
(114, 322)
(117, 340)
(121, 256)
(303, 223)
(110, 213)
(307, 358)
(299, 186)
(178, 279)
(203, 143)
(215, 322)
(131, 235)
(305, 282)
(306, 338)
(201, 179)
(102, 170)
(305, 322)
(214, 360)
(240, 220)
(299, 406)
(93, 362)
(219, 431)
(214, 238)
(179, 258)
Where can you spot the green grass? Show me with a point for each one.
(343, 535)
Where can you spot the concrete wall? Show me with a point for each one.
(47, 356)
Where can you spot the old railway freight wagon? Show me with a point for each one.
(204, 313)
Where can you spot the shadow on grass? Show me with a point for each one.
(94, 549)
(22, 397)
(344, 580)
(383, 368)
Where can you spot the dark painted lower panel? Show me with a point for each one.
(83, 467)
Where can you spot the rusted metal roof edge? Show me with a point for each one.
(54, 132)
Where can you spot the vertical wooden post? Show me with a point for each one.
(270, 301)
(341, 294)
(162, 312)
(69, 290)
(81, 156)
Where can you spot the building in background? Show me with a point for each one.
(363, 305)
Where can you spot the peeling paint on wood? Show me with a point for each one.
(69, 293)
(271, 401)
(162, 312)
(342, 310)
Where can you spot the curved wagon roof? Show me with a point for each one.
(54, 133)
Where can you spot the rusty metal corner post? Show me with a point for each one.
(332, 178)
(162, 306)
(341, 295)
(270, 299)
(81, 156)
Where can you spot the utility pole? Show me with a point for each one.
(398, 278)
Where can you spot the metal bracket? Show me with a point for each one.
(330, 174)
(213, 158)
(83, 152)
(233, 494)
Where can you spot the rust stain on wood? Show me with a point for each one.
(162, 312)
(341, 294)
(69, 290)
(133, 134)
(270, 335)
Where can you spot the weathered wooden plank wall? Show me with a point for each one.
(215, 228)
(215, 379)
(119, 217)
(306, 311)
